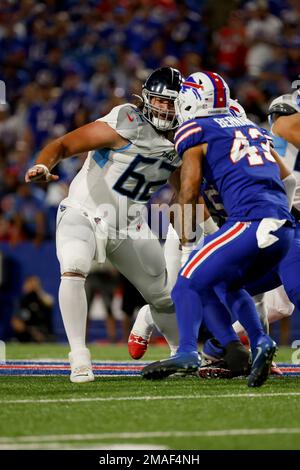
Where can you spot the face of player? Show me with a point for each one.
(162, 107)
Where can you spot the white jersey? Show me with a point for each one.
(291, 157)
(131, 173)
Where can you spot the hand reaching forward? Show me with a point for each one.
(41, 173)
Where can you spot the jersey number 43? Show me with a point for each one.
(245, 146)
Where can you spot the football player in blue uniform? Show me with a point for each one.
(272, 305)
(234, 156)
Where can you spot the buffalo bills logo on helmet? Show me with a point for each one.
(202, 94)
(190, 84)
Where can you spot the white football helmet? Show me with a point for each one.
(236, 109)
(202, 94)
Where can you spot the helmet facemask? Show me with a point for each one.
(159, 93)
(163, 119)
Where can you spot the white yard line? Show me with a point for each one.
(150, 398)
(95, 446)
(58, 438)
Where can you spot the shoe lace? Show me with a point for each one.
(81, 370)
(138, 340)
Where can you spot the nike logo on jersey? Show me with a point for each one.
(130, 118)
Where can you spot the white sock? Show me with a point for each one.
(167, 325)
(172, 255)
(143, 325)
(238, 328)
(73, 307)
(262, 311)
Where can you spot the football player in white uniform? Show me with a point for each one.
(284, 114)
(130, 156)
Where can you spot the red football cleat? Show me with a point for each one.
(137, 346)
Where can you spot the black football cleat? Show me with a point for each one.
(183, 363)
(237, 358)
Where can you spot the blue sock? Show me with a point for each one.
(217, 319)
(295, 299)
(188, 313)
(240, 303)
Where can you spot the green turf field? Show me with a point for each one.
(177, 413)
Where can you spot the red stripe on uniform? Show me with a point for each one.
(220, 90)
(206, 250)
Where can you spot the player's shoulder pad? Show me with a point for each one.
(188, 135)
(125, 119)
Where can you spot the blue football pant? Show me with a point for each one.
(220, 269)
(287, 273)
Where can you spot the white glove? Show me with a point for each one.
(186, 250)
(209, 227)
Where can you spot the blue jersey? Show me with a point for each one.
(238, 163)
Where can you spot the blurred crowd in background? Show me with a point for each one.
(65, 63)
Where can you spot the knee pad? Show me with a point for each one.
(150, 255)
(159, 295)
(75, 242)
(75, 257)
